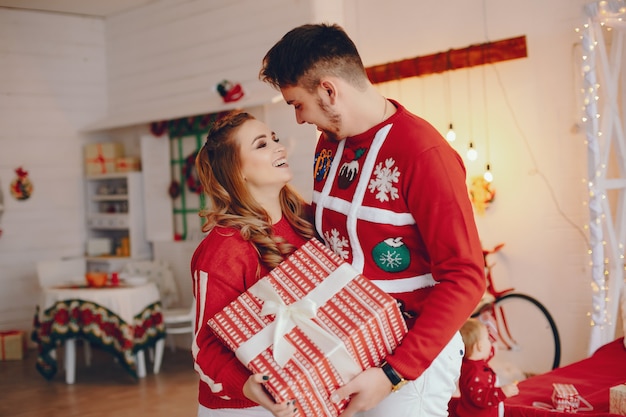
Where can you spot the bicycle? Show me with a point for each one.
(524, 333)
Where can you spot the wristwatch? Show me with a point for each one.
(396, 380)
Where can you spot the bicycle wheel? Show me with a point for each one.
(527, 338)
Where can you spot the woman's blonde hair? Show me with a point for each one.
(219, 170)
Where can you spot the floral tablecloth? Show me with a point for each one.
(121, 320)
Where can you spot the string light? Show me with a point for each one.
(606, 255)
(451, 135)
(472, 154)
(488, 176)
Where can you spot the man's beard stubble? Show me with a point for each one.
(334, 120)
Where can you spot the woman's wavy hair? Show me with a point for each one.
(219, 169)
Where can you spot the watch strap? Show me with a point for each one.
(391, 373)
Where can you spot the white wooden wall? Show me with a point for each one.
(170, 55)
(52, 82)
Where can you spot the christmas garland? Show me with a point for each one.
(191, 174)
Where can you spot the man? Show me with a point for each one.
(390, 198)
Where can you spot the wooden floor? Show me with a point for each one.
(103, 389)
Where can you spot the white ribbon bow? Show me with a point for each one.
(298, 314)
(301, 313)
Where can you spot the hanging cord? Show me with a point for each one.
(485, 107)
(487, 153)
(448, 89)
(1, 209)
(535, 170)
(469, 98)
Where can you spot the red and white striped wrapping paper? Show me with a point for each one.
(312, 324)
(565, 398)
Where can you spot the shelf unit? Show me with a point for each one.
(115, 224)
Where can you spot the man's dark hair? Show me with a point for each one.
(309, 52)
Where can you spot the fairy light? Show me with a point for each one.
(590, 117)
(606, 254)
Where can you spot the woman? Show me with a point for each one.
(254, 221)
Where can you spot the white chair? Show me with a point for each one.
(158, 272)
(176, 320)
(57, 272)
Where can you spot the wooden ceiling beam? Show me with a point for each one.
(473, 55)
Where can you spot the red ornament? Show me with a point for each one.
(21, 187)
(191, 173)
(174, 189)
(158, 128)
(229, 91)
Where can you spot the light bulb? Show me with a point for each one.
(471, 152)
(451, 135)
(488, 176)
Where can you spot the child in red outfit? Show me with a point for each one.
(480, 396)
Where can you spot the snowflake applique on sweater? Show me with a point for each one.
(386, 176)
(337, 243)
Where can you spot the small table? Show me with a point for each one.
(124, 320)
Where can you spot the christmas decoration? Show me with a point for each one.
(174, 189)
(229, 91)
(127, 164)
(21, 187)
(191, 174)
(322, 164)
(391, 255)
(185, 126)
(100, 157)
(158, 128)
(349, 170)
(482, 194)
(313, 323)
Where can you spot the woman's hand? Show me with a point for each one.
(254, 391)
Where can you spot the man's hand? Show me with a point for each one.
(254, 391)
(365, 390)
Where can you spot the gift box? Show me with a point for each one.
(100, 158)
(11, 345)
(312, 324)
(617, 400)
(565, 398)
(127, 164)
